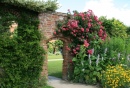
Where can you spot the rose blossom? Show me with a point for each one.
(86, 44)
(90, 51)
(87, 29)
(82, 29)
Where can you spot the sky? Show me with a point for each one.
(119, 9)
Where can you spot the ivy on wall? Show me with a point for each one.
(21, 56)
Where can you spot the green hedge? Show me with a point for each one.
(34, 5)
(21, 56)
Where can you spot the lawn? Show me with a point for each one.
(54, 56)
(55, 68)
(47, 87)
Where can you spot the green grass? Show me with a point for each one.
(54, 56)
(47, 87)
(55, 68)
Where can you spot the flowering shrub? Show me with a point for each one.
(86, 33)
(88, 70)
(87, 36)
(88, 42)
(82, 28)
(116, 77)
(89, 67)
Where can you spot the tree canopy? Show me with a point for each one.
(114, 27)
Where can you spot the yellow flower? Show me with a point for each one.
(116, 76)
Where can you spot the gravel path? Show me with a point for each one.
(59, 83)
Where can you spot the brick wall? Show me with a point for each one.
(47, 27)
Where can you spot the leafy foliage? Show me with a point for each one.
(116, 47)
(128, 31)
(114, 27)
(89, 70)
(54, 46)
(35, 5)
(86, 70)
(21, 57)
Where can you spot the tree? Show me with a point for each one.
(128, 31)
(55, 46)
(114, 27)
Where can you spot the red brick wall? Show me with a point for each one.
(47, 27)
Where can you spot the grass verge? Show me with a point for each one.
(55, 68)
(47, 87)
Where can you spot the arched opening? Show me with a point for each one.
(65, 55)
(55, 58)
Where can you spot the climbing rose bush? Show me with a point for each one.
(86, 33)
(82, 28)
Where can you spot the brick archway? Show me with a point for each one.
(47, 27)
(66, 56)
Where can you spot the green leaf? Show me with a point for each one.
(87, 71)
(98, 68)
(74, 59)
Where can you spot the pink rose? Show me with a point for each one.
(89, 25)
(90, 51)
(86, 44)
(82, 29)
(87, 29)
(100, 32)
(55, 32)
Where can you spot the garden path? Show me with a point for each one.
(59, 83)
(55, 59)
